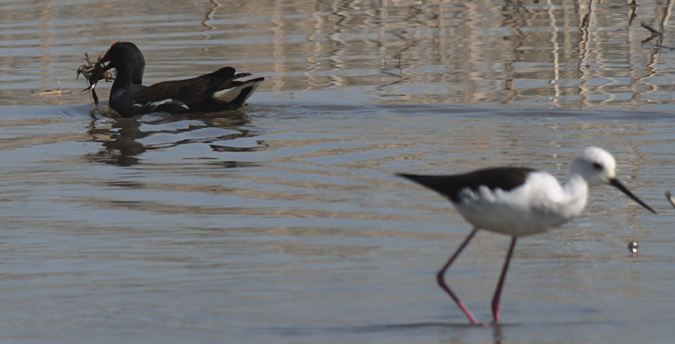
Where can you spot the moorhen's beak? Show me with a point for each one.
(615, 183)
(105, 58)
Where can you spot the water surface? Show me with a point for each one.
(284, 222)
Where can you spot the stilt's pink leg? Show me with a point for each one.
(441, 280)
(496, 307)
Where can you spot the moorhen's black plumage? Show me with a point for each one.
(213, 92)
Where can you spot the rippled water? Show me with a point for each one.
(284, 222)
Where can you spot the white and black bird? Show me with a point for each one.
(520, 201)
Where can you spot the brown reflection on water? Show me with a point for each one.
(570, 54)
(574, 54)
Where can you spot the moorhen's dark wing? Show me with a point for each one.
(217, 91)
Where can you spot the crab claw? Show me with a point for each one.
(82, 70)
(90, 88)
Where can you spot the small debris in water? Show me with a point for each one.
(633, 247)
(670, 198)
(58, 92)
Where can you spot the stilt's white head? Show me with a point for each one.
(597, 167)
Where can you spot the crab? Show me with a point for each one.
(94, 71)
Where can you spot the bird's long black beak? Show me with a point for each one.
(615, 182)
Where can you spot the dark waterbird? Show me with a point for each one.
(221, 90)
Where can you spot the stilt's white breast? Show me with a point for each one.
(533, 207)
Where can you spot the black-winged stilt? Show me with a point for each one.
(520, 201)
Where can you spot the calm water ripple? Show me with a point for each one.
(284, 222)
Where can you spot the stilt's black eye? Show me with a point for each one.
(597, 166)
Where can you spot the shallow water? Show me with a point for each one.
(284, 223)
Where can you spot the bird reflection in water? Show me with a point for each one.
(122, 139)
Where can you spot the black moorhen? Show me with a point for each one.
(213, 92)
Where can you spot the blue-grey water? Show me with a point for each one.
(284, 223)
